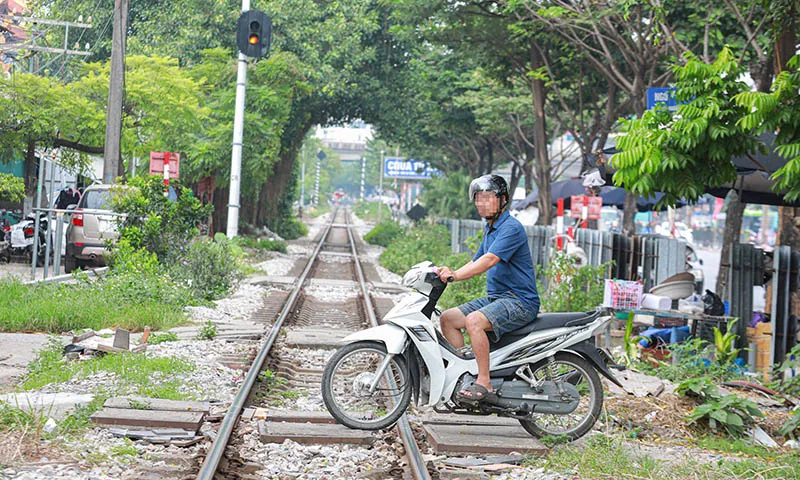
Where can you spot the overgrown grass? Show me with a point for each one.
(609, 457)
(60, 308)
(368, 211)
(432, 242)
(138, 373)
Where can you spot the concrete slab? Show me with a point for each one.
(292, 416)
(56, 405)
(459, 439)
(468, 420)
(17, 350)
(316, 337)
(390, 287)
(148, 418)
(638, 384)
(134, 402)
(312, 433)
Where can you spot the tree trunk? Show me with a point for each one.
(273, 193)
(542, 158)
(733, 227)
(220, 215)
(629, 209)
(628, 212)
(785, 48)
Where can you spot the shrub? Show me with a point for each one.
(422, 242)
(266, 244)
(789, 385)
(208, 267)
(384, 233)
(730, 413)
(570, 288)
(288, 228)
(464, 291)
(155, 222)
(368, 211)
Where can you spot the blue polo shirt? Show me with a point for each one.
(514, 272)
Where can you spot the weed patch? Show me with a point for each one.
(63, 308)
(136, 373)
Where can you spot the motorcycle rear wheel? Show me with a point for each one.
(568, 367)
(345, 391)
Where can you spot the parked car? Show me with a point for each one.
(90, 230)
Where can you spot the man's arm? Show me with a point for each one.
(484, 263)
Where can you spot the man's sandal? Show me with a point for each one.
(475, 393)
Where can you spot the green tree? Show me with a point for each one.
(447, 196)
(12, 189)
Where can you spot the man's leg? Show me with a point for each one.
(452, 321)
(477, 325)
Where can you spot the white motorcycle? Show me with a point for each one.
(544, 374)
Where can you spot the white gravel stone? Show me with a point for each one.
(331, 293)
(280, 264)
(292, 460)
(238, 306)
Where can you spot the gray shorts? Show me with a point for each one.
(505, 312)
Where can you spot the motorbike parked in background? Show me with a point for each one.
(21, 238)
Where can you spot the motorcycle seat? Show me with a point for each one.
(545, 321)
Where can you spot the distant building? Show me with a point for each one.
(349, 141)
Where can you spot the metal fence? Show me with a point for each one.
(786, 265)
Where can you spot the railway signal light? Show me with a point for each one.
(254, 33)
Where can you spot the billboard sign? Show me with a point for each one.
(665, 95)
(408, 168)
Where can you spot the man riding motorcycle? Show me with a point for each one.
(512, 300)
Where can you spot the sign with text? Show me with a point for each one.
(398, 167)
(157, 163)
(665, 95)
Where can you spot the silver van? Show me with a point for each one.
(89, 229)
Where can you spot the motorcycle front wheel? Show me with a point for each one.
(347, 381)
(570, 368)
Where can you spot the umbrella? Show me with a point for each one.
(615, 197)
(752, 182)
(558, 190)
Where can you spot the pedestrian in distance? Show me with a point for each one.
(512, 300)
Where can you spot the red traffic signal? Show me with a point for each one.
(254, 33)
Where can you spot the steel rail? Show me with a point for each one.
(211, 463)
(416, 462)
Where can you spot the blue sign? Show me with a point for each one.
(665, 95)
(396, 167)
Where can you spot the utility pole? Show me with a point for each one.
(380, 191)
(238, 131)
(112, 157)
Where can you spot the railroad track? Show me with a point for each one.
(289, 364)
(280, 398)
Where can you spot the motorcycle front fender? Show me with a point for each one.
(390, 335)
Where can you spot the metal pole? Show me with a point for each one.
(49, 232)
(35, 249)
(236, 154)
(380, 191)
